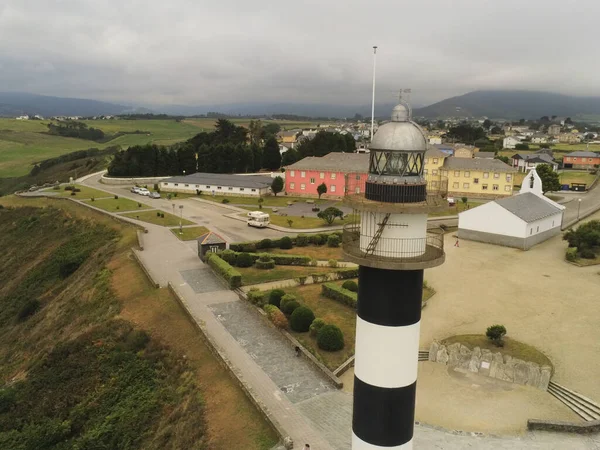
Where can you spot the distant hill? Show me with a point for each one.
(17, 103)
(512, 105)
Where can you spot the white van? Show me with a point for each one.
(258, 219)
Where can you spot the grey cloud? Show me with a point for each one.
(201, 52)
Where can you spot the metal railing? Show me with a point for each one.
(424, 249)
(436, 190)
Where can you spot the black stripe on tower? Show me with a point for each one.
(389, 297)
(383, 416)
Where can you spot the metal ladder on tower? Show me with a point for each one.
(371, 247)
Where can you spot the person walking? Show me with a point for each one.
(456, 243)
(306, 447)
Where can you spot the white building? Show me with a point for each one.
(510, 142)
(435, 140)
(219, 184)
(526, 162)
(520, 221)
(23, 117)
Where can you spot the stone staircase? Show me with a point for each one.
(585, 408)
(423, 355)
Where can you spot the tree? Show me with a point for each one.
(465, 133)
(255, 129)
(277, 185)
(504, 159)
(496, 130)
(495, 333)
(271, 157)
(550, 180)
(487, 123)
(586, 238)
(270, 129)
(321, 189)
(464, 200)
(521, 147)
(329, 214)
(290, 157)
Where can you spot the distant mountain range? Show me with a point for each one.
(17, 103)
(512, 105)
(492, 104)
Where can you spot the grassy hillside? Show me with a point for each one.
(22, 143)
(91, 356)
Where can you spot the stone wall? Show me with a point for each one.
(489, 364)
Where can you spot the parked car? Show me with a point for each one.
(143, 191)
(135, 190)
(154, 195)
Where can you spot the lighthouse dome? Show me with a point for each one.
(400, 134)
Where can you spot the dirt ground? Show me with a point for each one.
(541, 299)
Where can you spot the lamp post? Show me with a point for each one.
(373, 99)
(173, 208)
(578, 208)
(180, 218)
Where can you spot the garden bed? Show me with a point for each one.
(84, 192)
(169, 220)
(190, 233)
(511, 347)
(115, 204)
(252, 275)
(319, 252)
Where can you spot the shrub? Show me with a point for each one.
(265, 243)
(93, 199)
(229, 256)
(256, 297)
(162, 215)
(344, 274)
(29, 308)
(290, 307)
(587, 253)
(56, 188)
(157, 213)
(224, 269)
(301, 319)
(266, 265)
(156, 187)
(69, 188)
(332, 263)
(139, 205)
(495, 333)
(76, 190)
(285, 299)
(301, 240)
(313, 262)
(248, 247)
(225, 200)
(73, 193)
(571, 254)
(244, 260)
(285, 243)
(316, 326)
(333, 241)
(276, 316)
(275, 297)
(351, 285)
(301, 280)
(324, 238)
(330, 338)
(117, 207)
(339, 294)
(116, 197)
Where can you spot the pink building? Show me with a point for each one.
(303, 177)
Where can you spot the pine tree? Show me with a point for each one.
(271, 155)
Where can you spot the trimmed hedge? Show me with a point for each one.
(256, 297)
(571, 254)
(344, 274)
(275, 297)
(339, 294)
(276, 316)
(330, 338)
(316, 326)
(289, 307)
(266, 265)
(333, 240)
(285, 243)
(224, 269)
(301, 319)
(301, 241)
(244, 260)
(351, 285)
(279, 259)
(285, 299)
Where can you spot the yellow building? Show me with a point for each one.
(470, 177)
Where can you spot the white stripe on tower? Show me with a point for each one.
(359, 443)
(385, 356)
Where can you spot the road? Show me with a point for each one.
(590, 203)
(202, 213)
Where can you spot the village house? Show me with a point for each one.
(554, 129)
(526, 162)
(581, 160)
(288, 138)
(539, 139)
(519, 221)
(510, 142)
(569, 138)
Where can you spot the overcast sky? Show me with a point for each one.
(195, 52)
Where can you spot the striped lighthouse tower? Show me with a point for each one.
(392, 246)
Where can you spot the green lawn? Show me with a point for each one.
(320, 252)
(188, 234)
(117, 205)
(252, 275)
(22, 142)
(454, 210)
(86, 192)
(511, 347)
(150, 216)
(576, 177)
(270, 200)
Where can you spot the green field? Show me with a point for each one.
(22, 142)
(169, 220)
(116, 205)
(85, 192)
(209, 124)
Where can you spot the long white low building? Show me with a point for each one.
(520, 221)
(219, 184)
